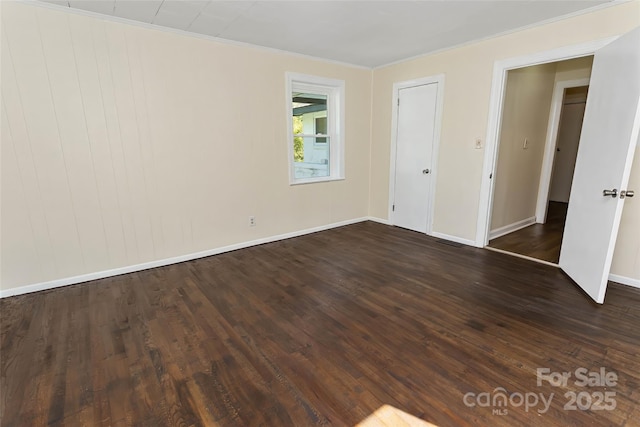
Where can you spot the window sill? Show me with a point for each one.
(315, 180)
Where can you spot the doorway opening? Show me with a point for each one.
(608, 140)
(543, 110)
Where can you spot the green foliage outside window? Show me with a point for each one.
(298, 141)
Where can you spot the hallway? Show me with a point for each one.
(540, 241)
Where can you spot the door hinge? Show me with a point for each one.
(490, 175)
(393, 208)
(398, 102)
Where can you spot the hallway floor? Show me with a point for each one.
(540, 241)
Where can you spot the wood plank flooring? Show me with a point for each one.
(540, 241)
(323, 329)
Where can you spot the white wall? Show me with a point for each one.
(468, 72)
(626, 258)
(525, 115)
(574, 69)
(123, 145)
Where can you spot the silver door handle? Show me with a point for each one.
(425, 171)
(628, 193)
(613, 193)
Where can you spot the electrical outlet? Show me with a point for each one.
(525, 145)
(478, 143)
(252, 221)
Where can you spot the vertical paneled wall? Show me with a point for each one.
(123, 145)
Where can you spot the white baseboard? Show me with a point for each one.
(188, 257)
(510, 228)
(379, 220)
(167, 261)
(623, 280)
(451, 238)
(435, 234)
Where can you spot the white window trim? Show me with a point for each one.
(335, 91)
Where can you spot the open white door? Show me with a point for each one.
(607, 144)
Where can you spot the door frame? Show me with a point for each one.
(496, 102)
(439, 80)
(551, 143)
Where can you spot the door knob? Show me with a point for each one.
(425, 171)
(613, 193)
(628, 193)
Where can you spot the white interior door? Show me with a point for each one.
(414, 152)
(607, 144)
(564, 162)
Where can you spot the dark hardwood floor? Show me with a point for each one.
(321, 330)
(540, 241)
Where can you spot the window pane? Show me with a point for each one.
(311, 153)
(321, 129)
(306, 103)
(314, 161)
(309, 114)
(316, 108)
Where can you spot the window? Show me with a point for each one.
(315, 111)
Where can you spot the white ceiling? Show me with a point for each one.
(365, 33)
